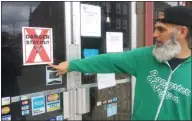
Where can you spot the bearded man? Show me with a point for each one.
(162, 71)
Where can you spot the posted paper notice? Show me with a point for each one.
(90, 20)
(106, 80)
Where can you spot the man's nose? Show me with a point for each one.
(155, 34)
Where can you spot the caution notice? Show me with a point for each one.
(37, 45)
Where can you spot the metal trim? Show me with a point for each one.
(133, 25)
(66, 106)
(120, 81)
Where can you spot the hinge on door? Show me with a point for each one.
(74, 78)
(83, 100)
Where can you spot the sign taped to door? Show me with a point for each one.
(90, 18)
(37, 45)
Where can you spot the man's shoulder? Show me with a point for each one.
(146, 49)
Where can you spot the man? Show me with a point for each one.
(163, 71)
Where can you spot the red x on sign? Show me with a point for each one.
(38, 48)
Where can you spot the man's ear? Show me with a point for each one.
(183, 32)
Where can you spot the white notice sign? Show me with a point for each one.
(90, 20)
(106, 80)
(114, 41)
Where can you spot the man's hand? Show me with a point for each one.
(62, 68)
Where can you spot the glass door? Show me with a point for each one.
(31, 92)
(113, 17)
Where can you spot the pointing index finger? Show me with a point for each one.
(54, 66)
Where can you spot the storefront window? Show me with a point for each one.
(32, 80)
(113, 20)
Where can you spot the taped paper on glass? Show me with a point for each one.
(114, 42)
(106, 80)
(37, 45)
(90, 20)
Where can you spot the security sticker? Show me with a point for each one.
(5, 110)
(24, 97)
(59, 118)
(104, 102)
(99, 103)
(52, 119)
(53, 102)
(114, 108)
(25, 112)
(115, 99)
(5, 101)
(25, 102)
(110, 100)
(109, 110)
(6, 118)
(38, 105)
(26, 107)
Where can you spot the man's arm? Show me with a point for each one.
(125, 62)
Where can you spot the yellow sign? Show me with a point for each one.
(5, 110)
(53, 106)
(53, 97)
(53, 102)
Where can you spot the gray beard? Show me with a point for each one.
(167, 51)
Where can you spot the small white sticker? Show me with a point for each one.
(25, 112)
(6, 101)
(26, 107)
(98, 103)
(6, 118)
(24, 97)
(115, 99)
(59, 118)
(104, 102)
(110, 100)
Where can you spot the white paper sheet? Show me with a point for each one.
(114, 41)
(90, 20)
(106, 80)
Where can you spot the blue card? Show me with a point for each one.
(90, 52)
(109, 110)
(114, 108)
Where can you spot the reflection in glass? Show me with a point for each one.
(118, 23)
(118, 8)
(125, 9)
(16, 78)
(124, 24)
(108, 6)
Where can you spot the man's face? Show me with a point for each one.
(166, 46)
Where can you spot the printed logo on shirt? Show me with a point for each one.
(158, 84)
